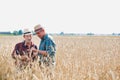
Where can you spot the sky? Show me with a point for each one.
(69, 16)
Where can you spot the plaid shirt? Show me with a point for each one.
(22, 49)
(47, 44)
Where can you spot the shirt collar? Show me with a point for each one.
(45, 36)
(26, 45)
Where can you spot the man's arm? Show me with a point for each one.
(42, 52)
(14, 52)
(49, 49)
(39, 51)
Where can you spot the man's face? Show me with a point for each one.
(40, 34)
(28, 38)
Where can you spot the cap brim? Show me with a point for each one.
(28, 34)
(37, 30)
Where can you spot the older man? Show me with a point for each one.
(23, 50)
(47, 48)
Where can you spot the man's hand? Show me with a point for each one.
(44, 53)
(34, 50)
(24, 58)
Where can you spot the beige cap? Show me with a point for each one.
(27, 32)
(37, 28)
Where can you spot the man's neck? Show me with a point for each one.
(28, 43)
(43, 36)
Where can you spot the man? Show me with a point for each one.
(23, 51)
(47, 48)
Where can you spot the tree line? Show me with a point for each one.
(20, 32)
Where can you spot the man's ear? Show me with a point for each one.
(23, 36)
(43, 30)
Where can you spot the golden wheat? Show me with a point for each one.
(77, 58)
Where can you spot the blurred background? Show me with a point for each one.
(61, 17)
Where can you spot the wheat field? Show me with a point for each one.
(77, 58)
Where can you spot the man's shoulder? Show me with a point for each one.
(49, 37)
(20, 43)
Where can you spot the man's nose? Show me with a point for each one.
(29, 37)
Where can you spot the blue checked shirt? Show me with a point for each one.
(47, 44)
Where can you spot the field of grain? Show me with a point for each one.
(77, 58)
